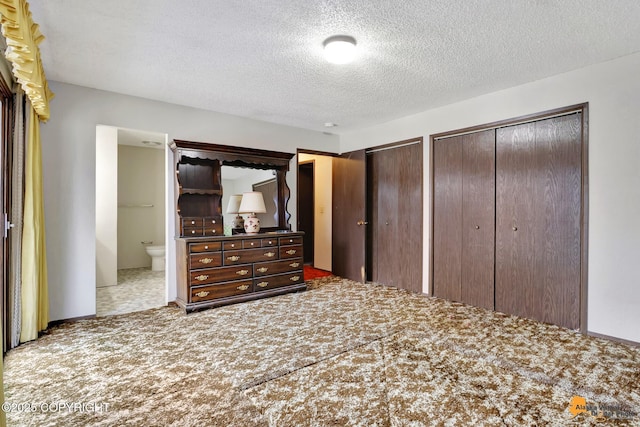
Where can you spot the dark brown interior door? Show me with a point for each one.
(447, 218)
(395, 179)
(306, 208)
(538, 209)
(478, 219)
(349, 221)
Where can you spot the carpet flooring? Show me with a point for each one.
(339, 354)
(311, 273)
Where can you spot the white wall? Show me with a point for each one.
(322, 197)
(69, 152)
(106, 206)
(613, 92)
(140, 184)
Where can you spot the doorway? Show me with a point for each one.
(306, 207)
(314, 214)
(130, 220)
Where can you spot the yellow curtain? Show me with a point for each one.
(35, 296)
(23, 37)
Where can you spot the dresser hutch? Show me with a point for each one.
(215, 269)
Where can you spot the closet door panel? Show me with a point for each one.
(517, 209)
(447, 217)
(558, 140)
(538, 210)
(478, 219)
(396, 220)
(384, 247)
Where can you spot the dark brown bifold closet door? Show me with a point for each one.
(464, 218)
(538, 202)
(395, 176)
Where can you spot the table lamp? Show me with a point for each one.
(233, 208)
(252, 203)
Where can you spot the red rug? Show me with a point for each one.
(314, 273)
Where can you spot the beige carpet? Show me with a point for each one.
(340, 354)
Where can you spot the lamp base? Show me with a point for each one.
(252, 224)
(238, 222)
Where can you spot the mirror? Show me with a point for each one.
(238, 180)
(204, 189)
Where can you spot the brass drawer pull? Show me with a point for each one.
(263, 284)
(202, 294)
(201, 277)
(242, 287)
(270, 254)
(294, 264)
(263, 269)
(206, 260)
(242, 272)
(233, 258)
(291, 251)
(294, 278)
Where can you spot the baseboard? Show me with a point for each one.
(610, 338)
(91, 316)
(72, 319)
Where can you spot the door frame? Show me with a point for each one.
(309, 237)
(584, 192)
(313, 153)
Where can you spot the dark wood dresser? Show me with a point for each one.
(215, 271)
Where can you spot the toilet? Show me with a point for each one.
(156, 252)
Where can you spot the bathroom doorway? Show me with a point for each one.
(130, 220)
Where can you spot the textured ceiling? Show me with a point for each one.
(263, 58)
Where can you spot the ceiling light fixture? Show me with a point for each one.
(340, 49)
(151, 143)
(330, 125)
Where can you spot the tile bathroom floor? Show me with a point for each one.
(137, 289)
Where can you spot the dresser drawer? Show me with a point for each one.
(205, 260)
(276, 267)
(249, 255)
(269, 242)
(232, 245)
(192, 221)
(192, 231)
(222, 274)
(297, 240)
(206, 293)
(213, 230)
(209, 221)
(205, 247)
(290, 251)
(251, 243)
(271, 282)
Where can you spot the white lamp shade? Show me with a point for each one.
(234, 204)
(252, 202)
